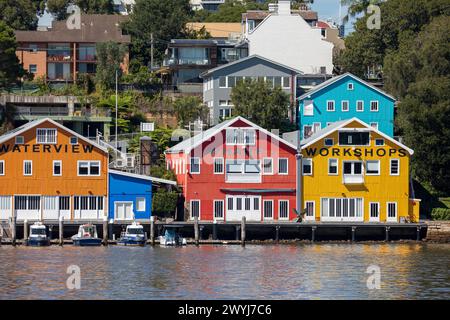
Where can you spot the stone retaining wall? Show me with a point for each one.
(438, 231)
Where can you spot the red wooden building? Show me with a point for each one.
(236, 169)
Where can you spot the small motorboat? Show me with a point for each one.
(171, 237)
(133, 236)
(38, 236)
(87, 236)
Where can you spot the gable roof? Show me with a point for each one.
(27, 126)
(142, 177)
(255, 56)
(337, 78)
(341, 124)
(187, 145)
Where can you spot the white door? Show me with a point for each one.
(50, 208)
(27, 207)
(5, 207)
(374, 212)
(310, 212)
(123, 210)
(243, 206)
(392, 212)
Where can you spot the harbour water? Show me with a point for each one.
(297, 271)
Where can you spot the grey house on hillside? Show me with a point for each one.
(218, 82)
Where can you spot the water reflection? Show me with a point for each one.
(319, 271)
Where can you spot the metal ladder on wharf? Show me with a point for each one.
(5, 231)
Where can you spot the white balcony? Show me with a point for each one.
(243, 178)
(353, 179)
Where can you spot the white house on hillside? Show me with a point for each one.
(285, 37)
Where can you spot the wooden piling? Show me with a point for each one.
(277, 233)
(387, 233)
(1, 234)
(313, 233)
(214, 235)
(243, 231)
(418, 233)
(196, 231)
(353, 234)
(13, 230)
(152, 231)
(105, 232)
(238, 230)
(61, 231)
(25, 232)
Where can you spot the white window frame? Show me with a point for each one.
(190, 165)
(312, 130)
(308, 112)
(223, 210)
(279, 210)
(246, 131)
(342, 106)
(2, 166)
(31, 167)
(313, 217)
(377, 218)
(141, 199)
(199, 208)
(226, 82)
(312, 166)
(287, 166)
(317, 126)
(16, 140)
(350, 86)
(271, 166)
(391, 219)
(372, 174)
(334, 105)
(377, 104)
(372, 125)
(289, 82)
(353, 167)
(53, 168)
(263, 210)
(223, 165)
(325, 142)
(362, 103)
(89, 168)
(337, 167)
(46, 135)
(398, 167)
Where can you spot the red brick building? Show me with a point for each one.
(60, 54)
(236, 169)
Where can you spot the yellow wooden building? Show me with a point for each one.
(351, 172)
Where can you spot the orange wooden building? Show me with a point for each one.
(48, 171)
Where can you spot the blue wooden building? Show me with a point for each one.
(130, 195)
(344, 97)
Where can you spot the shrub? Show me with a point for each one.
(440, 214)
(164, 202)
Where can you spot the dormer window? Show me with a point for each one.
(19, 140)
(46, 136)
(354, 138)
(350, 86)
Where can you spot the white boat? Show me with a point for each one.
(38, 235)
(133, 236)
(171, 237)
(87, 236)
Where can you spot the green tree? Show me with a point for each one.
(125, 107)
(58, 8)
(257, 101)
(166, 20)
(21, 14)
(10, 68)
(109, 57)
(356, 7)
(164, 202)
(189, 109)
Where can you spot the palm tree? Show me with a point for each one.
(356, 7)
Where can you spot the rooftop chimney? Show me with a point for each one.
(284, 7)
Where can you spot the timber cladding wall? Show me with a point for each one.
(42, 181)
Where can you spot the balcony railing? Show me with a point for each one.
(186, 61)
(353, 179)
(42, 111)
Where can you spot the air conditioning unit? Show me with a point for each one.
(120, 163)
(130, 161)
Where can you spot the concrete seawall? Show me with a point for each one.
(438, 231)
